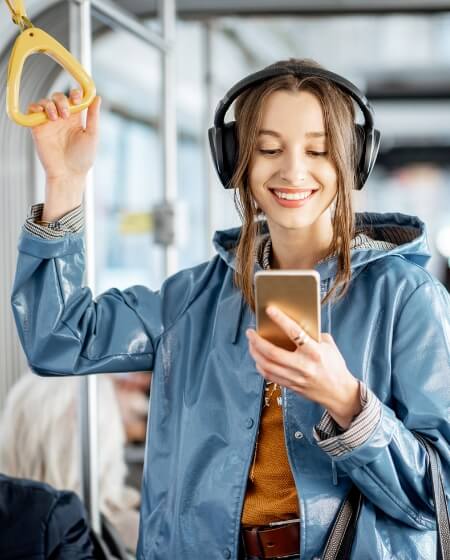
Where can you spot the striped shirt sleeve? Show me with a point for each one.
(333, 440)
(72, 222)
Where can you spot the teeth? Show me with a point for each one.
(293, 196)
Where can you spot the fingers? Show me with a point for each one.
(285, 374)
(44, 105)
(285, 378)
(62, 105)
(35, 108)
(270, 352)
(93, 116)
(294, 331)
(271, 369)
(75, 96)
(57, 106)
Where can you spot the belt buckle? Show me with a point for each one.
(287, 522)
(261, 551)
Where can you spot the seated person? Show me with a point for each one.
(132, 391)
(39, 440)
(40, 522)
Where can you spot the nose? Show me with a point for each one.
(293, 168)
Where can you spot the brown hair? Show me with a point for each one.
(339, 114)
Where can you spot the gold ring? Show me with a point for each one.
(301, 338)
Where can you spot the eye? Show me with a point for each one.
(313, 153)
(269, 152)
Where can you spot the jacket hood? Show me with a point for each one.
(377, 236)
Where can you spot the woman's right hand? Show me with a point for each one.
(65, 148)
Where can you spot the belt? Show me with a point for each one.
(272, 542)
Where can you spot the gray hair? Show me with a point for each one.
(39, 436)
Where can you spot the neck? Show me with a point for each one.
(301, 248)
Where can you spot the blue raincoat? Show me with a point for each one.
(392, 328)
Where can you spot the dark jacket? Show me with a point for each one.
(37, 522)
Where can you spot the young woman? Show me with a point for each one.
(243, 434)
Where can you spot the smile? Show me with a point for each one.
(293, 196)
(293, 199)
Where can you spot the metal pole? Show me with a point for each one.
(168, 125)
(117, 17)
(81, 47)
(208, 116)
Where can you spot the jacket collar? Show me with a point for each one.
(378, 235)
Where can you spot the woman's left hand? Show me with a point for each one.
(315, 370)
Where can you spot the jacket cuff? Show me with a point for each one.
(72, 222)
(333, 440)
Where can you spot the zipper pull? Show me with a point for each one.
(334, 471)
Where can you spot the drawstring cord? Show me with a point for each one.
(334, 473)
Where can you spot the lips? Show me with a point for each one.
(292, 202)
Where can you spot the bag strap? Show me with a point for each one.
(340, 540)
(440, 502)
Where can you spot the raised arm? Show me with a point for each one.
(62, 329)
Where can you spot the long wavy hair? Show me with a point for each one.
(339, 117)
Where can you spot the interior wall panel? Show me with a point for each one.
(17, 180)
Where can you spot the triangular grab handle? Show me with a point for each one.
(34, 40)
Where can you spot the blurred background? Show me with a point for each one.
(397, 52)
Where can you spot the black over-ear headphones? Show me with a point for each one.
(223, 138)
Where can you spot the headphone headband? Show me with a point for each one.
(223, 139)
(298, 71)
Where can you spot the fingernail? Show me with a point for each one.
(271, 311)
(249, 333)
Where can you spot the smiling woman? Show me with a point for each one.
(296, 136)
(252, 450)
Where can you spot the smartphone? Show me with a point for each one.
(296, 293)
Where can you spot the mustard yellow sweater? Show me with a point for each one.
(271, 494)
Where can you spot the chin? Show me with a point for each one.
(295, 219)
(297, 222)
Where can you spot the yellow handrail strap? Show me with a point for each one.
(32, 41)
(17, 7)
(18, 13)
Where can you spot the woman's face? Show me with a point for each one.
(292, 178)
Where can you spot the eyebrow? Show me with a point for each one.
(278, 135)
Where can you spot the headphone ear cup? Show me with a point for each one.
(230, 151)
(360, 141)
(367, 146)
(224, 151)
(376, 147)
